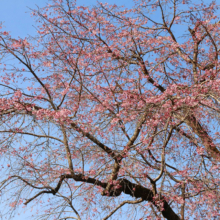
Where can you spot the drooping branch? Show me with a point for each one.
(125, 186)
(28, 65)
(76, 177)
(122, 204)
(73, 125)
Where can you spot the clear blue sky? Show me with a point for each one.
(16, 13)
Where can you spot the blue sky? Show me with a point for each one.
(16, 14)
(16, 18)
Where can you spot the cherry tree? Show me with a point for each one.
(113, 113)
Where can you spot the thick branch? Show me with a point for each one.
(125, 186)
(204, 136)
(146, 194)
